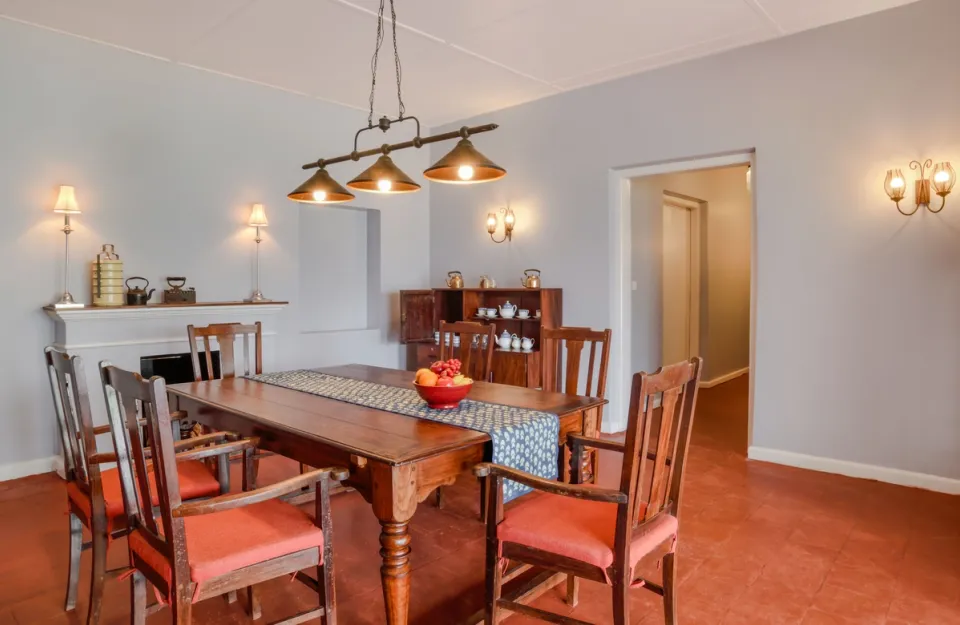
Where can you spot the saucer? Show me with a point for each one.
(527, 351)
(522, 317)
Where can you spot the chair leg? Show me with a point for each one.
(573, 590)
(138, 599)
(182, 609)
(483, 500)
(73, 573)
(328, 597)
(98, 573)
(621, 601)
(439, 496)
(230, 597)
(493, 583)
(669, 589)
(253, 603)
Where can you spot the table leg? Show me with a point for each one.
(395, 570)
(394, 502)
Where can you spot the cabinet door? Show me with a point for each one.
(416, 316)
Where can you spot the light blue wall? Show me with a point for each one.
(166, 161)
(857, 338)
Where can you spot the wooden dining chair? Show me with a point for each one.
(93, 494)
(601, 534)
(476, 360)
(204, 548)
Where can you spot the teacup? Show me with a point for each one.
(481, 312)
(523, 313)
(491, 313)
(537, 315)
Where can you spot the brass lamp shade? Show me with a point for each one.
(464, 164)
(321, 189)
(384, 177)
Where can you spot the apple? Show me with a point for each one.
(445, 382)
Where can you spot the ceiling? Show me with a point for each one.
(460, 57)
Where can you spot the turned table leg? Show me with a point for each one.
(394, 500)
(395, 571)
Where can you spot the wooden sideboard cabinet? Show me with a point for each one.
(422, 311)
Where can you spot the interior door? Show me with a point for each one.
(677, 283)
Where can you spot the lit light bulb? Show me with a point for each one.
(896, 183)
(319, 196)
(465, 172)
(941, 177)
(384, 185)
(509, 219)
(491, 223)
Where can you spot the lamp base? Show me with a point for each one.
(66, 301)
(257, 297)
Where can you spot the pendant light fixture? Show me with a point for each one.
(321, 189)
(463, 165)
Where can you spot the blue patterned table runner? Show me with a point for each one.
(523, 439)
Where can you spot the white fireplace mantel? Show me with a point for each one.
(96, 327)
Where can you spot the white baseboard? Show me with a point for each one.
(724, 378)
(951, 486)
(16, 470)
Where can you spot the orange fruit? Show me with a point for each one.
(425, 377)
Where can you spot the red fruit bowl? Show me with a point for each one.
(443, 397)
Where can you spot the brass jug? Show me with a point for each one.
(455, 280)
(531, 278)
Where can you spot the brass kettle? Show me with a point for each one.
(486, 282)
(455, 280)
(531, 278)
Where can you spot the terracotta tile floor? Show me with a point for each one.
(759, 544)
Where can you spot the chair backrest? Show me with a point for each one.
(129, 397)
(226, 335)
(71, 402)
(566, 379)
(476, 359)
(656, 452)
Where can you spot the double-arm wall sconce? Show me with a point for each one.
(258, 219)
(942, 180)
(66, 205)
(509, 221)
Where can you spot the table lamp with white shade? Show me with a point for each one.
(258, 219)
(67, 206)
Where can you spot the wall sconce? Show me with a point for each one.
(66, 205)
(509, 221)
(258, 219)
(943, 179)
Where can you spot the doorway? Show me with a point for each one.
(680, 278)
(636, 256)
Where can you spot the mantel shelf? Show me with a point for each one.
(161, 310)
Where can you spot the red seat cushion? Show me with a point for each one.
(222, 542)
(579, 529)
(195, 481)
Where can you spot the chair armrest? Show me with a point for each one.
(578, 491)
(238, 500)
(200, 453)
(579, 440)
(205, 439)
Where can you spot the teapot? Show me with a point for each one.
(455, 280)
(531, 278)
(138, 296)
(508, 310)
(486, 282)
(505, 340)
(526, 344)
(515, 342)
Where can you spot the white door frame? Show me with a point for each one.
(695, 206)
(620, 275)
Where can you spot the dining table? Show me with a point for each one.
(395, 461)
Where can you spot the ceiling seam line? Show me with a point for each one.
(115, 46)
(760, 10)
(187, 47)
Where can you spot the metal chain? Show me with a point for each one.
(396, 58)
(376, 54)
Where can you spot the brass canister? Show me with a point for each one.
(107, 278)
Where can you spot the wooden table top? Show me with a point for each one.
(368, 432)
